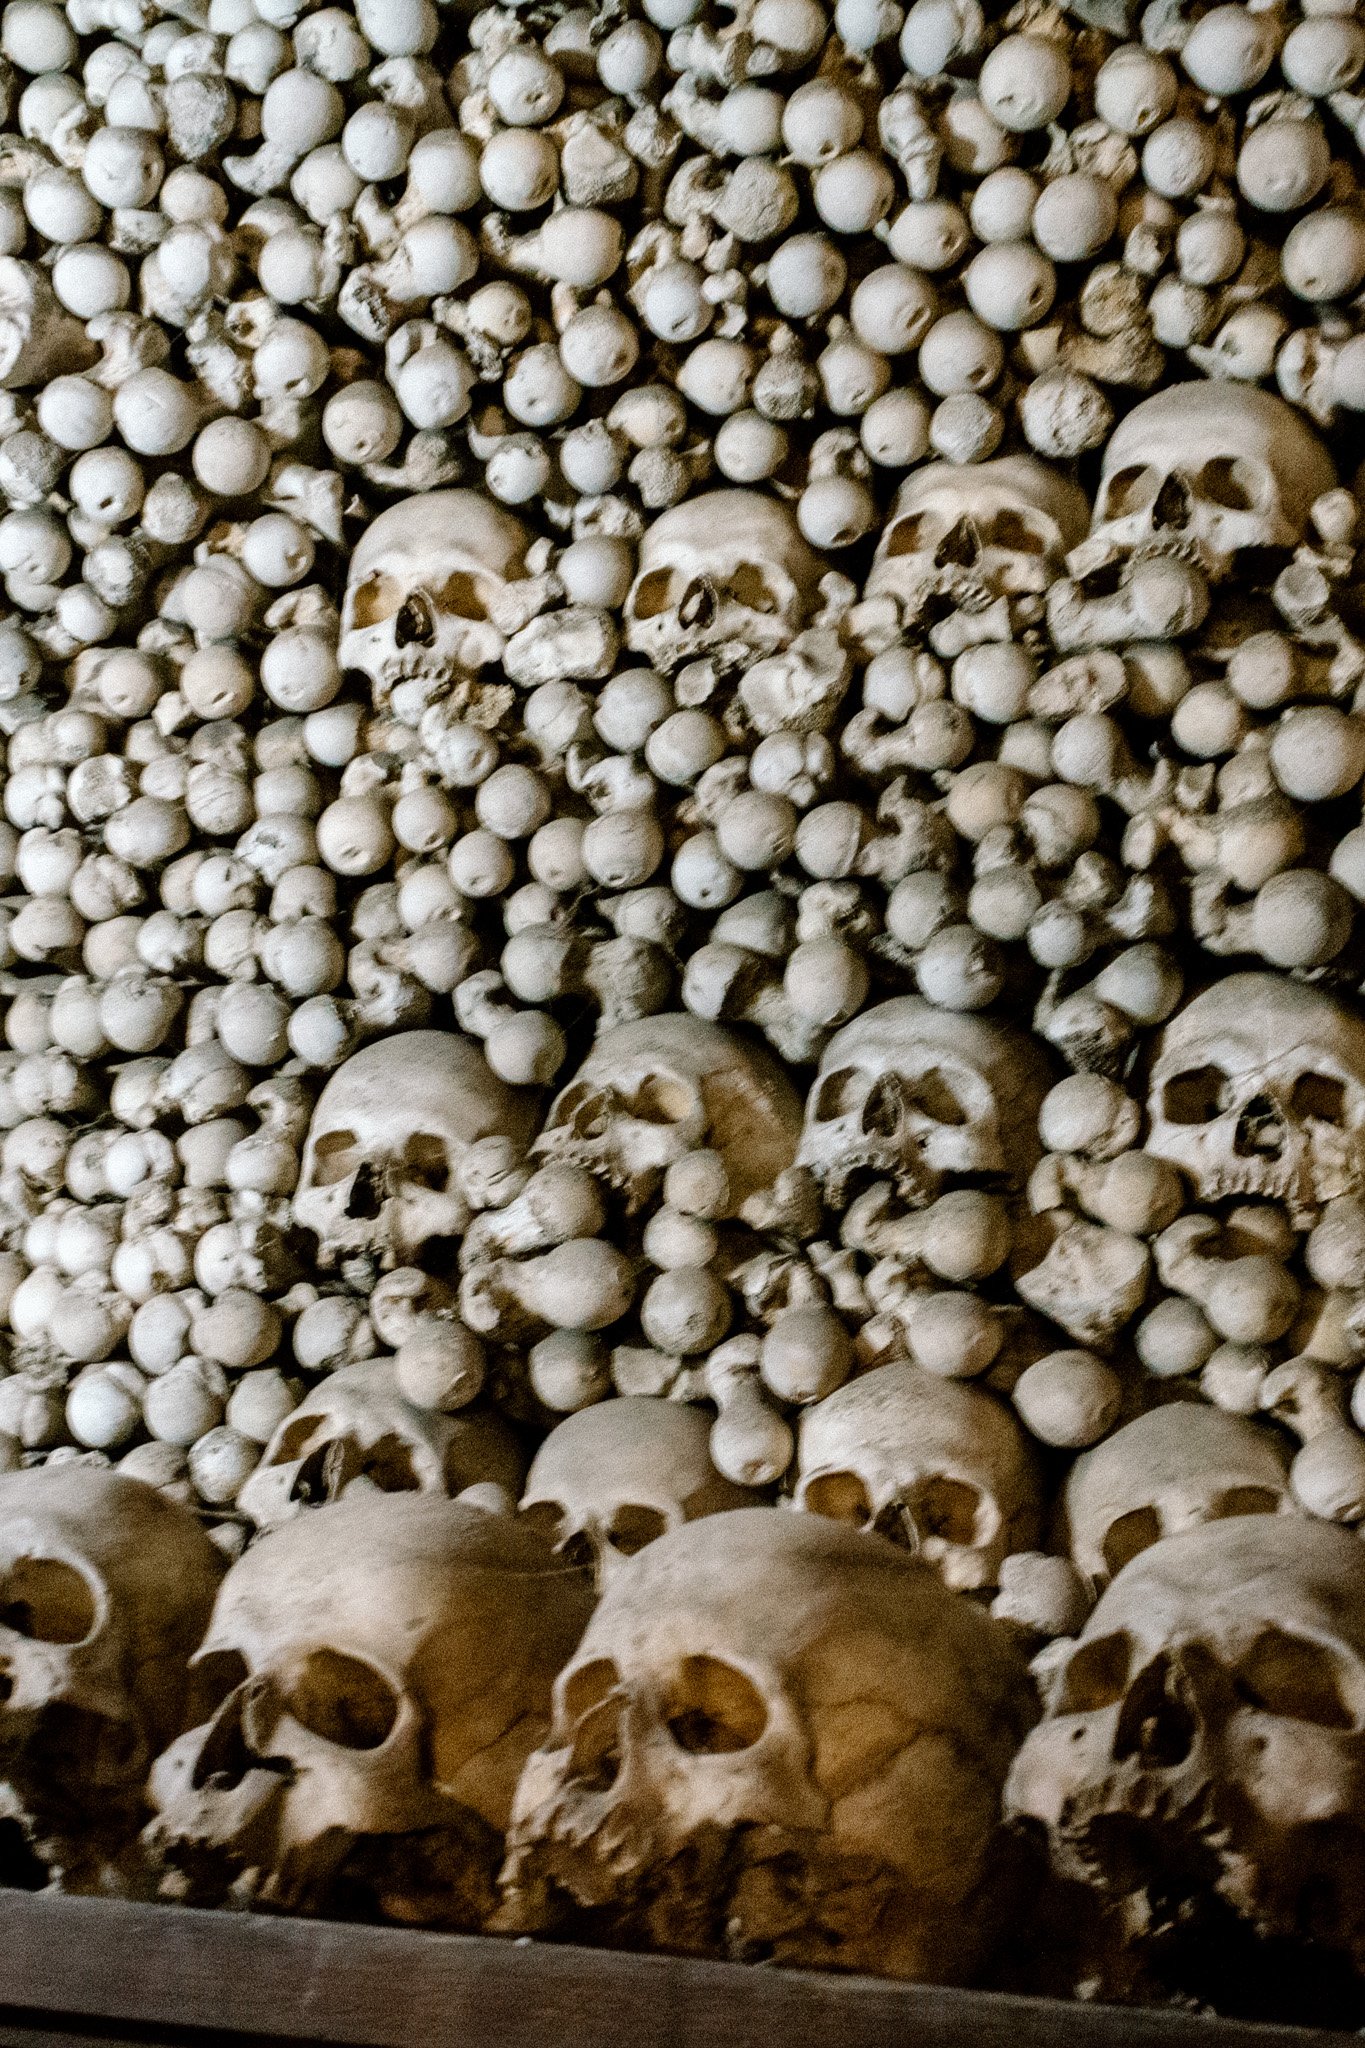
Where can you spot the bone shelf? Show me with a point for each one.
(83, 1970)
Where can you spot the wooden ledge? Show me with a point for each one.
(76, 1971)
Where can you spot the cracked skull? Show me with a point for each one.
(727, 576)
(106, 1588)
(925, 1097)
(1210, 472)
(356, 1431)
(622, 1473)
(1206, 1736)
(1259, 1089)
(779, 1738)
(654, 1089)
(424, 587)
(389, 1131)
(1169, 1470)
(937, 1465)
(384, 1667)
(965, 536)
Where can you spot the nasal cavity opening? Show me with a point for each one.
(1260, 1130)
(366, 1198)
(415, 625)
(960, 547)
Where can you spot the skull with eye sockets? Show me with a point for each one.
(964, 537)
(725, 576)
(1259, 1089)
(1165, 1472)
(1210, 472)
(924, 1097)
(779, 1738)
(618, 1475)
(384, 1667)
(1204, 1741)
(423, 593)
(392, 1125)
(106, 1587)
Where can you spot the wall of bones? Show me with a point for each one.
(682, 1118)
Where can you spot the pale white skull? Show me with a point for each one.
(725, 575)
(106, 1588)
(384, 1668)
(1259, 1089)
(658, 1087)
(356, 1432)
(779, 1739)
(424, 584)
(622, 1473)
(923, 1096)
(1205, 1740)
(964, 535)
(1209, 471)
(1169, 1470)
(389, 1132)
(939, 1466)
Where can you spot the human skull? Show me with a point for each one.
(423, 588)
(725, 575)
(658, 1087)
(1209, 471)
(1259, 1089)
(384, 1667)
(389, 1131)
(923, 1096)
(1176, 1466)
(1206, 1737)
(971, 533)
(620, 1474)
(106, 1588)
(937, 1465)
(356, 1430)
(779, 1739)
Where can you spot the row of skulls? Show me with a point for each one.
(777, 1733)
(772, 1737)
(1201, 475)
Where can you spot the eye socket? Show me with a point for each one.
(1011, 530)
(749, 587)
(1298, 1679)
(1320, 1097)
(633, 1527)
(426, 1163)
(295, 1439)
(947, 1508)
(912, 535)
(1196, 1097)
(1243, 1500)
(1130, 490)
(653, 594)
(376, 600)
(933, 1094)
(1128, 1536)
(334, 1157)
(545, 1519)
(837, 1094)
(711, 1709)
(463, 595)
(1097, 1675)
(342, 1700)
(590, 1698)
(214, 1677)
(659, 1100)
(1228, 481)
(839, 1497)
(47, 1601)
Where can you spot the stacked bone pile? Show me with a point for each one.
(683, 702)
